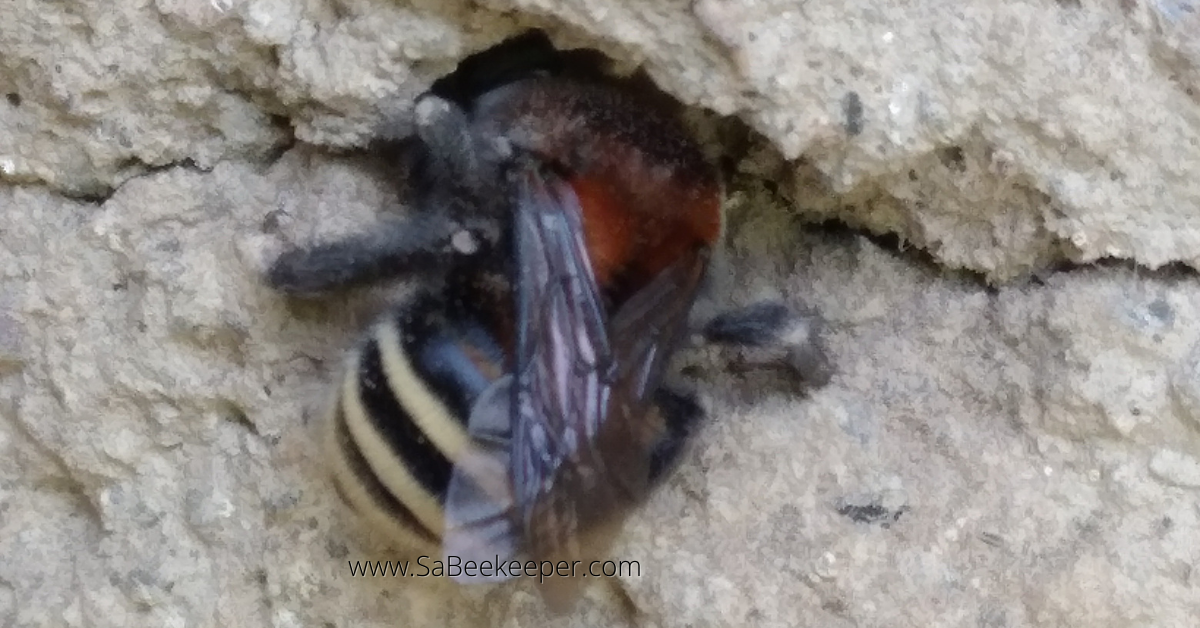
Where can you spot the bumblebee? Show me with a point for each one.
(517, 404)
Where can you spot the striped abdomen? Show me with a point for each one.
(401, 412)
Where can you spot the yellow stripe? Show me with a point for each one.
(426, 410)
(390, 470)
(364, 500)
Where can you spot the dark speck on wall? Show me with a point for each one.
(853, 108)
(1162, 310)
(953, 158)
(871, 513)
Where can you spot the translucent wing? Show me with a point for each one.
(536, 425)
(557, 466)
(580, 446)
(479, 503)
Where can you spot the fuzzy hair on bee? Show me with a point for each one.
(517, 404)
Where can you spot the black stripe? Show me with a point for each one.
(366, 479)
(420, 326)
(428, 465)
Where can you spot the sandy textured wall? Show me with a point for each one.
(1035, 420)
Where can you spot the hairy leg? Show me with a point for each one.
(425, 242)
(681, 416)
(770, 335)
(460, 157)
(767, 335)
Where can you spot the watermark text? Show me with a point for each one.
(453, 567)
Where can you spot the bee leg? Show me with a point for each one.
(770, 334)
(681, 415)
(461, 157)
(425, 242)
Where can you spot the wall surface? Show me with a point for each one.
(1012, 437)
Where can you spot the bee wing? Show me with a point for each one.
(479, 504)
(534, 428)
(580, 443)
(567, 428)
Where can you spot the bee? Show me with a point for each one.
(517, 403)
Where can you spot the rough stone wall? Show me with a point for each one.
(1014, 445)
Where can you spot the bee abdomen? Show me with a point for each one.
(401, 413)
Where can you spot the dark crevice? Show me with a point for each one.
(102, 195)
(187, 164)
(91, 197)
(66, 483)
(835, 230)
(275, 153)
(1170, 272)
(234, 413)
